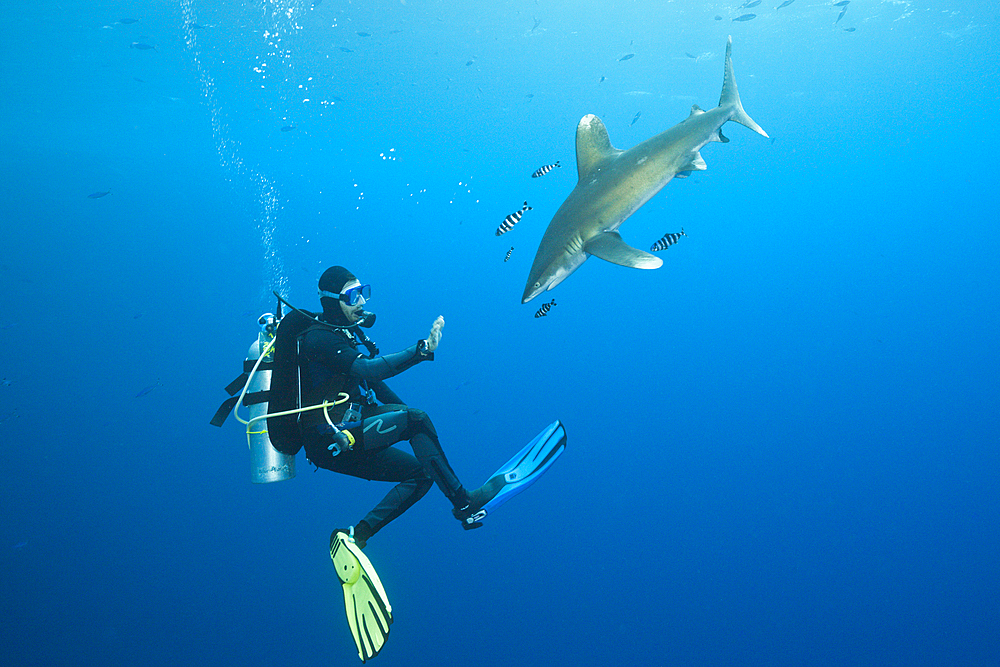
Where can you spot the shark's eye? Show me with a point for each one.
(538, 284)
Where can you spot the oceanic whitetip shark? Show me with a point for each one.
(613, 184)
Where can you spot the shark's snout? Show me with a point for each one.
(532, 290)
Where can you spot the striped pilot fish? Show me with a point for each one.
(541, 171)
(512, 219)
(667, 241)
(508, 254)
(544, 310)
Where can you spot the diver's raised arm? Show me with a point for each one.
(389, 365)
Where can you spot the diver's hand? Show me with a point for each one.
(434, 338)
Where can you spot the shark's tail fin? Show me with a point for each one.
(731, 97)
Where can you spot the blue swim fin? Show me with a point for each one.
(516, 475)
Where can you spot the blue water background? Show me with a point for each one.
(783, 444)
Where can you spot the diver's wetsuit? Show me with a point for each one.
(330, 363)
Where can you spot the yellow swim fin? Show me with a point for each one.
(369, 613)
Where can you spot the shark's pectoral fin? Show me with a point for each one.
(610, 247)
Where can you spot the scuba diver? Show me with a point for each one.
(326, 396)
(330, 363)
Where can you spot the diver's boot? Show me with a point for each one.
(358, 534)
(471, 512)
(465, 509)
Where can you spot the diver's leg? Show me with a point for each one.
(389, 424)
(424, 440)
(389, 465)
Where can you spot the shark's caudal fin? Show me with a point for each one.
(593, 145)
(731, 97)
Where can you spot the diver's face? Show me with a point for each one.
(352, 313)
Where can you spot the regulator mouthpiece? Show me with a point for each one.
(367, 319)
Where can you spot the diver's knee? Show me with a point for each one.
(424, 484)
(421, 421)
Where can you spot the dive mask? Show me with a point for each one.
(352, 296)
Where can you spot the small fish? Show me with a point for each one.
(627, 56)
(469, 63)
(128, 21)
(750, 5)
(98, 195)
(6, 383)
(842, 3)
(537, 22)
(141, 46)
(511, 220)
(785, 4)
(745, 17)
(336, 99)
(143, 392)
(667, 241)
(508, 254)
(195, 26)
(288, 128)
(849, 29)
(635, 118)
(530, 96)
(842, 12)
(541, 171)
(345, 49)
(544, 310)
(718, 18)
(21, 544)
(364, 34)
(690, 56)
(603, 79)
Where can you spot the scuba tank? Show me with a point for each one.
(267, 464)
(270, 388)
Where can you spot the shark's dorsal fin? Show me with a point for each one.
(610, 247)
(593, 145)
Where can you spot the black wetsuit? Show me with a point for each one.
(331, 363)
